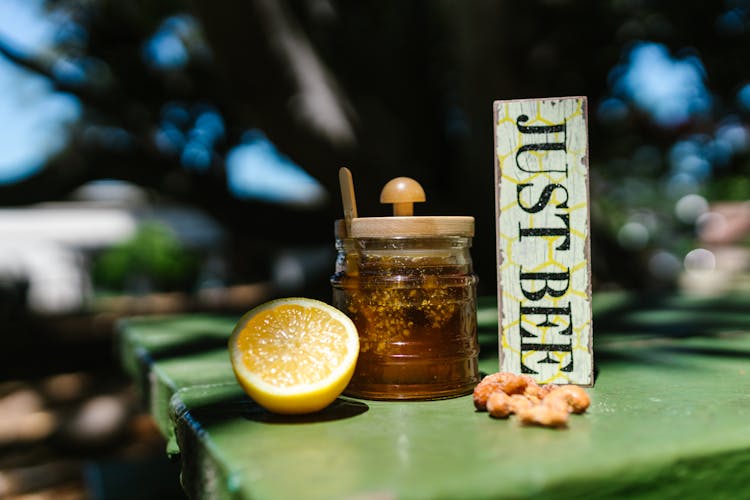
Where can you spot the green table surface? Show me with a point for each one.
(670, 416)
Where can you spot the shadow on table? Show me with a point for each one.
(668, 329)
(340, 409)
(654, 329)
(673, 316)
(229, 402)
(196, 344)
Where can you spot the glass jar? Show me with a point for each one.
(413, 300)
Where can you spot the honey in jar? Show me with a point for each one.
(408, 284)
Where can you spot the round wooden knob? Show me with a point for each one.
(402, 192)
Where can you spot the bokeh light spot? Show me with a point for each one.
(664, 265)
(670, 90)
(690, 207)
(700, 259)
(633, 236)
(257, 170)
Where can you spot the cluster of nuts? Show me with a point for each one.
(503, 394)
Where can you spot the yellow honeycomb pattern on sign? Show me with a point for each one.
(520, 126)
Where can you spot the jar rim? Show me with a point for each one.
(407, 227)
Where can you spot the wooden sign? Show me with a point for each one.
(543, 256)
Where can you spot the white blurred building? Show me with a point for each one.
(46, 245)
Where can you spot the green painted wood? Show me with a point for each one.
(670, 417)
(144, 340)
(208, 368)
(165, 354)
(663, 423)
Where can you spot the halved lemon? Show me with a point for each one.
(294, 355)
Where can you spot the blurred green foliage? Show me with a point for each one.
(153, 259)
(729, 188)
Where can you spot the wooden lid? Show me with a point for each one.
(402, 192)
(417, 227)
